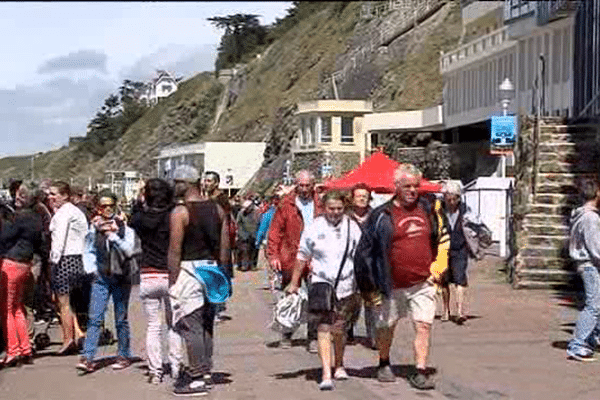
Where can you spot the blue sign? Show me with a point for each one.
(504, 132)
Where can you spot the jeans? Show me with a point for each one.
(14, 322)
(154, 293)
(102, 288)
(197, 330)
(588, 322)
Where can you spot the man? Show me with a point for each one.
(584, 249)
(399, 260)
(295, 213)
(463, 245)
(198, 235)
(210, 189)
(247, 223)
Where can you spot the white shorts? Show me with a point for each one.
(418, 300)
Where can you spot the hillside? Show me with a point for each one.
(400, 72)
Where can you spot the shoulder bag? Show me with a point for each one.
(321, 295)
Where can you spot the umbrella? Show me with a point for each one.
(377, 173)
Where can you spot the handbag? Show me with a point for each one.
(321, 295)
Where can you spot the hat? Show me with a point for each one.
(452, 187)
(186, 173)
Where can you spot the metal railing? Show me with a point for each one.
(477, 46)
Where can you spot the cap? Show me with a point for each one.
(186, 173)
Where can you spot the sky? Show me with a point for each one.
(60, 60)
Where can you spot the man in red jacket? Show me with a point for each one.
(295, 212)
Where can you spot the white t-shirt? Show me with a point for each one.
(324, 244)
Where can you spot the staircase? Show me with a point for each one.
(563, 155)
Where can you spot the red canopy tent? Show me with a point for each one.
(377, 172)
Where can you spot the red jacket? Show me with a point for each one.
(285, 231)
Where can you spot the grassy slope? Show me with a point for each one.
(295, 60)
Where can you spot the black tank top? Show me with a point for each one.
(203, 233)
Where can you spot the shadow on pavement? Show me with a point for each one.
(221, 378)
(295, 343)
(560, 344)
(314, 374)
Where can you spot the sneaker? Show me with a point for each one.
(385, 374)
(312, 347)
(421, 381)
(327, 384)
(155, 379)
(340, 374)
(208, 380)
(86, 365)
(193, 388)
(182, 379)
(122, 363)
(573, 355)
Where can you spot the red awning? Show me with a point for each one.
(377, 172)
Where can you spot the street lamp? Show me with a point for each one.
(287, 175)
(506, 93)
(327, 169)
(33, 157)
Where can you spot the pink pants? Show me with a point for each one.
(14, 321)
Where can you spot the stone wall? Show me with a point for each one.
(341, 162)
(550, 159)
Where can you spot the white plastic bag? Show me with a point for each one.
(290, 312)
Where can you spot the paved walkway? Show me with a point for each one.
(512, 347)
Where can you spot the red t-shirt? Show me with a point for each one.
(411, 254)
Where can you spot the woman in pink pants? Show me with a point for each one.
(20, 239)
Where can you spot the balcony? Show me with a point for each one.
(477, 49)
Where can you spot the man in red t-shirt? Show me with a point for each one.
(399, 260)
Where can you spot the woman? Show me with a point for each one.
(151, 223)
(21, 239)
(109, 247)
(326, 247)
(68, 228)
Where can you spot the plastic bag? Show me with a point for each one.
(290, 312)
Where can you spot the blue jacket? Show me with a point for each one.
(265, 224)
(371, 259)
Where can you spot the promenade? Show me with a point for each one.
(512, 347)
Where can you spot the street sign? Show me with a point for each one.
(504, 133)
(326, 170)
(229, 180)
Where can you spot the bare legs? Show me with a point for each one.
(460, 301)
(329, 342)
(70, 326)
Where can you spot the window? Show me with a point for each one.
(312, 136)
(325, 130)
(347, 130)
(303, 132)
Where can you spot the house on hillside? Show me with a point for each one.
(163, 85)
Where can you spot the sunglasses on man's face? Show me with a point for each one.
(104, 206)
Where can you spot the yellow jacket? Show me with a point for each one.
(440, 264)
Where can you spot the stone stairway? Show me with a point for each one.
(564, 155)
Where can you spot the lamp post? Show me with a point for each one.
(327, 168)
(287, 178)
(506, 93)
(33, 157)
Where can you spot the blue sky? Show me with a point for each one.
(59, 61)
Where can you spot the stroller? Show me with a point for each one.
(46, 312)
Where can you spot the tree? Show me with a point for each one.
(243, 33)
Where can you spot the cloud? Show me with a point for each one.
(181, 60)
(36, 118)
(79, 60)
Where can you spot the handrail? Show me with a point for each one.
(476, 46)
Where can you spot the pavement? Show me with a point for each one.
(511, 347)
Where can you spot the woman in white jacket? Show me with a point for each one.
(68, 228)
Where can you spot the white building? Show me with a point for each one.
(163, 85)
(531, 31)
(235, 162)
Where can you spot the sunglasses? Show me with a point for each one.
(103, 206)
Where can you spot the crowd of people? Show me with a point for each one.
(183, 239)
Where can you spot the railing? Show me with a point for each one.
(477, 46)
(412, 11)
